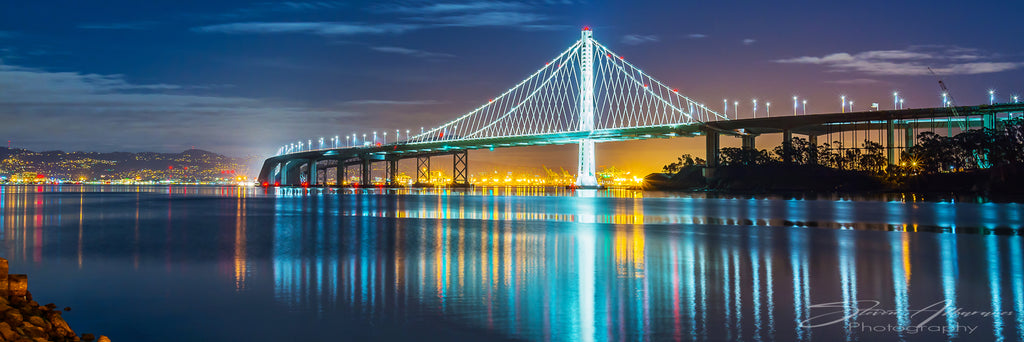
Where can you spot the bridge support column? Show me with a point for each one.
(279, 178)
(364, 171)
(290, 172)
(890, 138)
(787, 146)
(749, 142)
(813, 157)
(392, 166)
(312, 173)
(908, 136)
(989, 120)
(460, 169)
(422, 171)
(712, 148)
(339, 174)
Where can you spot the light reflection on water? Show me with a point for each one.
(529, 264)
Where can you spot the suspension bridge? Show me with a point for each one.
(586, 95)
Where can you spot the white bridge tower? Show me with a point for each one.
(586, 173)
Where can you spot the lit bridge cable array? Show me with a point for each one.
(550, 101)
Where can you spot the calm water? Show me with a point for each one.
(206, 263)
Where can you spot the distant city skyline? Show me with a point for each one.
(242, 78)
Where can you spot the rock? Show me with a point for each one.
(60, 327)
(51, 306)
(103, 339)
(88, 337)
(25, 339)
(17, 285)
(13, 317)
(39, 322)
(67, 308)
(40, 339)
(35, 331)
(6, 332)
(3, 278)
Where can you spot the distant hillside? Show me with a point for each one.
(190, 165)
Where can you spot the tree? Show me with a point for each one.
(744, 156)
(681, 162)
(801, 151)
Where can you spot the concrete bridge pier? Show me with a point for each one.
(711, 147)
(422, 171)
(291, 171)
(460, 169)
(989, 120)
(787, 146)
(890, 138)
(392, 172)
(749, 142)
(908, 136)
(813, 157)
(339, 174)
(311, 177)
(364, 171)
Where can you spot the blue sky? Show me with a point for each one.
(241, 78)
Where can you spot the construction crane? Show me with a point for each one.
(952, 103)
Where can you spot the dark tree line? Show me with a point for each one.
(681, 162)
(870, 156)
(971, 149)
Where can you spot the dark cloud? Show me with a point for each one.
(913, 61)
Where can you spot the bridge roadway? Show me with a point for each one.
(290, 169)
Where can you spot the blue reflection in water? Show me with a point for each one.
(992, 245)
(1017, 272)
(799, 263)
(950, 273)
(848, 280)
(900, 255)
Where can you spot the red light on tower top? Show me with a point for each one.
(586, 28)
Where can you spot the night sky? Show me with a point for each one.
(242, 78)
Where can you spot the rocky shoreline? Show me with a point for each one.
(24, 320)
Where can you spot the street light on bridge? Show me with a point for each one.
(755, 108)
(805, 107)
(725, 105)
(945, 101)
(768, 109)
(901, 103)
(794, 105)
(895, 100)
(842, 106)
(851, 106)
(735, 109)
(991, 96)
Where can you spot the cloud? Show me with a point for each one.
(855, 81)
(268, 9)
(320, 28)
(522, 20)
(458, 7)
(410, 52)
(748, 41)
(107, 113)
(118, 26)
(696, 36)
(913, 61)
(392, 102)
(637, 39)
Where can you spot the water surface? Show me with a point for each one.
(223, 263)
